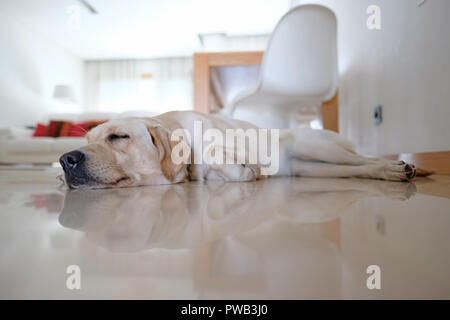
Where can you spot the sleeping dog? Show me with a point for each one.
(145, 151)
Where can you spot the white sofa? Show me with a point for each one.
(37, 150)
(18, 146)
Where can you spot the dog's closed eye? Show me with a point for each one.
(114, 137)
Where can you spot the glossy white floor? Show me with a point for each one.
(284, 238)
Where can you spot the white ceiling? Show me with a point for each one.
(144, 28)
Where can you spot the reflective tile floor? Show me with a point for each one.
(282, 238)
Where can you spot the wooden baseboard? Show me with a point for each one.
(438, 162)
(434, 185)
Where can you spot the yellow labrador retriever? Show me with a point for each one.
(139, 151)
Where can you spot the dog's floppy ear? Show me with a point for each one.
(161, 139)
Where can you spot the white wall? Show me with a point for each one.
(405, 66)
(30, 66)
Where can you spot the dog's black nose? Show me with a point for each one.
(71, 160)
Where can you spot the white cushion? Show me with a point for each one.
(43, 144)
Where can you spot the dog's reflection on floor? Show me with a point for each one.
(275, 238)
(184, 215)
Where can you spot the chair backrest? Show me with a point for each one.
(301, 58)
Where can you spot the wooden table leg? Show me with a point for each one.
(201, 83)
(330, 114)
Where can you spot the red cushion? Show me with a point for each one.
(40, 130)
(88, 125)
(54, 128)
(77, 130)
(65, 129)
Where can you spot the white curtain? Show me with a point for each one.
(224, 42)
(155, 85)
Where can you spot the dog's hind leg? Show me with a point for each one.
(327, 146)
(323, 145)
(398, 171)
(323, 153)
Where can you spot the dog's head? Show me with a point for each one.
(123, 152)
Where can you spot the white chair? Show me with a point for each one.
(299, 70)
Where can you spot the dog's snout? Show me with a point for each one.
(72, 159)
